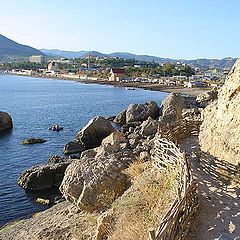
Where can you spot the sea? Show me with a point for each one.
(37, 103)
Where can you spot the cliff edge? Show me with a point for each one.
(220, 130)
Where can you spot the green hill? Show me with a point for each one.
(10, 49)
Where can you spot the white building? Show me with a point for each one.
(195, 85)
(53, 66)
(36, 59)
(64, 61)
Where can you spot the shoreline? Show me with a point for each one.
(151, 87)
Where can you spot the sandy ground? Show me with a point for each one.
(219, 214)
(155, 87)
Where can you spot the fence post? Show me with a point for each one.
(151, 234)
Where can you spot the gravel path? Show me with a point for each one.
(219, 213)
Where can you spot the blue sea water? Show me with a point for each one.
(35, 104)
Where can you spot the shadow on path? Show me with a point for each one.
(219, 213)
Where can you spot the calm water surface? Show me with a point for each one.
(35, 104)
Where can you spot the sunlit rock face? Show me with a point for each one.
(220, 130)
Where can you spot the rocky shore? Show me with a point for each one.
(107, 169)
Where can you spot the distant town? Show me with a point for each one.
(116, 70)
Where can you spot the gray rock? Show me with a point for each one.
(73, 147)
(94, 132)
(5, 121)
(171, 109)
(140, 112)
(43, 177)
(120, 118)
(149, 127)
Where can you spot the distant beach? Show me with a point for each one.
(151, 86)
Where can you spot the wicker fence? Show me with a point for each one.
(176, 222)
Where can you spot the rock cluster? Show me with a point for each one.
(90, 136)
(93, 181)
(87, 181)
(5, 121)
(220, 129)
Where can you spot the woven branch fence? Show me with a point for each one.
(176, 222)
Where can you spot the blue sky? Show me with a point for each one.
(168, 28)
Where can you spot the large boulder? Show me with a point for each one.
(140, 112)
(94, 132)
(73, 147)
(92, 184)
(171, 109)
(43, 177)
(220, 129)
(96, 180)
(5, 121)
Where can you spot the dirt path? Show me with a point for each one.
(219, 211)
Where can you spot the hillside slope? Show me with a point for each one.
(9, 48)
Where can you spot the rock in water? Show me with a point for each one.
(33, 141)
(5, 121)
(171, 109)
(220, 130)
(43, 201)
(94, 132)
(141, 112)
(43, 177)
(73, 147)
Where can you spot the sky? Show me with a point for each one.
(182, 29)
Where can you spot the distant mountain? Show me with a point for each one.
(212, 63)
(63, 53)
(10, 49)
(201, 63)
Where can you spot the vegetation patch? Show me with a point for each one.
(142, 206)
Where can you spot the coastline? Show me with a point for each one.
(152, 87)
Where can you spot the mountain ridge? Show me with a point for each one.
(201, 62)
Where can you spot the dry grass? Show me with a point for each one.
(136, 168)
(142, 206)
(84, 227)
